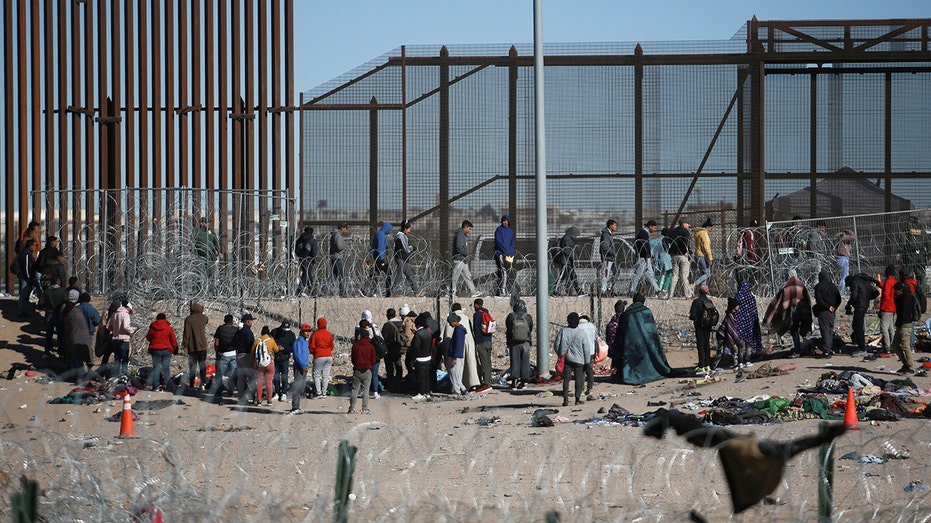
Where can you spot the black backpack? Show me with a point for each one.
(709, 315)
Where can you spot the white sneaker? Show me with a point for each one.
(376, 396)
(748, 365)
(419, 397)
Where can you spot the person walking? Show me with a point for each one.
(608, 252)
(703, 254)
(680, 237)
(402, 254)
(644, 266)
(845, 240)
(460, 253)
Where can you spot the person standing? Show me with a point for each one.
(242, 344)
(470, 379)
(162, 344)
(225, 359)
(729, 337)
(608, 252)
(50, 262)
(845, 240)
(367, 321)
(587, 328)
(572, 344)
(321, 348)
(119, 324)
(680, 237)
(644, 266)
(284, 338)
(564, 260)
(338, 244)
(703, 254)
(790, 310)
(379, 253)
(519, 328)
(422, 354)
(703, 327)
(207, 247)
(827, 300)
(461, 259)
(362, 356)
(905, 316)
(194, 342)
(52, 300)
(504, 253)
(887, 308)
(306, 249)
(402, 253)
(393, 330)
(301, 350)
(482, 342)
(455, 353)
(862, 292)
(917, 249)
(264, 373)
(26, 272)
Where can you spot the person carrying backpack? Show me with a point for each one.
(263, 355)
(519, 327)
(704, 317)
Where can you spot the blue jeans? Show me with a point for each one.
(51, 325)
(226, 368)
(843, 263)
(643, 268)
(375, 376)
(704, 268)
(160, 367)
(120, 351)
(26, 286)
(280, 379)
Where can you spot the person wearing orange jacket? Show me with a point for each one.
(162, 344)
(887, 308)
(321, 348)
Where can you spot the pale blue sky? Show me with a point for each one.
(332, 37)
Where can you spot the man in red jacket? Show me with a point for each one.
(363, 360)
(887, 308)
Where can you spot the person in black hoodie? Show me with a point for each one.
(905, 316)
(306, 249)
(862, 291)
(285, 339)
(827, 300)
(564, 260)
(422, 352)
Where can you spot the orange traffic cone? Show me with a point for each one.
(127, 429)
(850, 415)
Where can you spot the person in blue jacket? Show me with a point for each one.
(504, 253)
(301, 364)
(380, 260)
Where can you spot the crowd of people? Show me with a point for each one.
(415, 346)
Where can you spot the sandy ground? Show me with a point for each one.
(474, 460)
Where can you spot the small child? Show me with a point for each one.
(728, 337)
